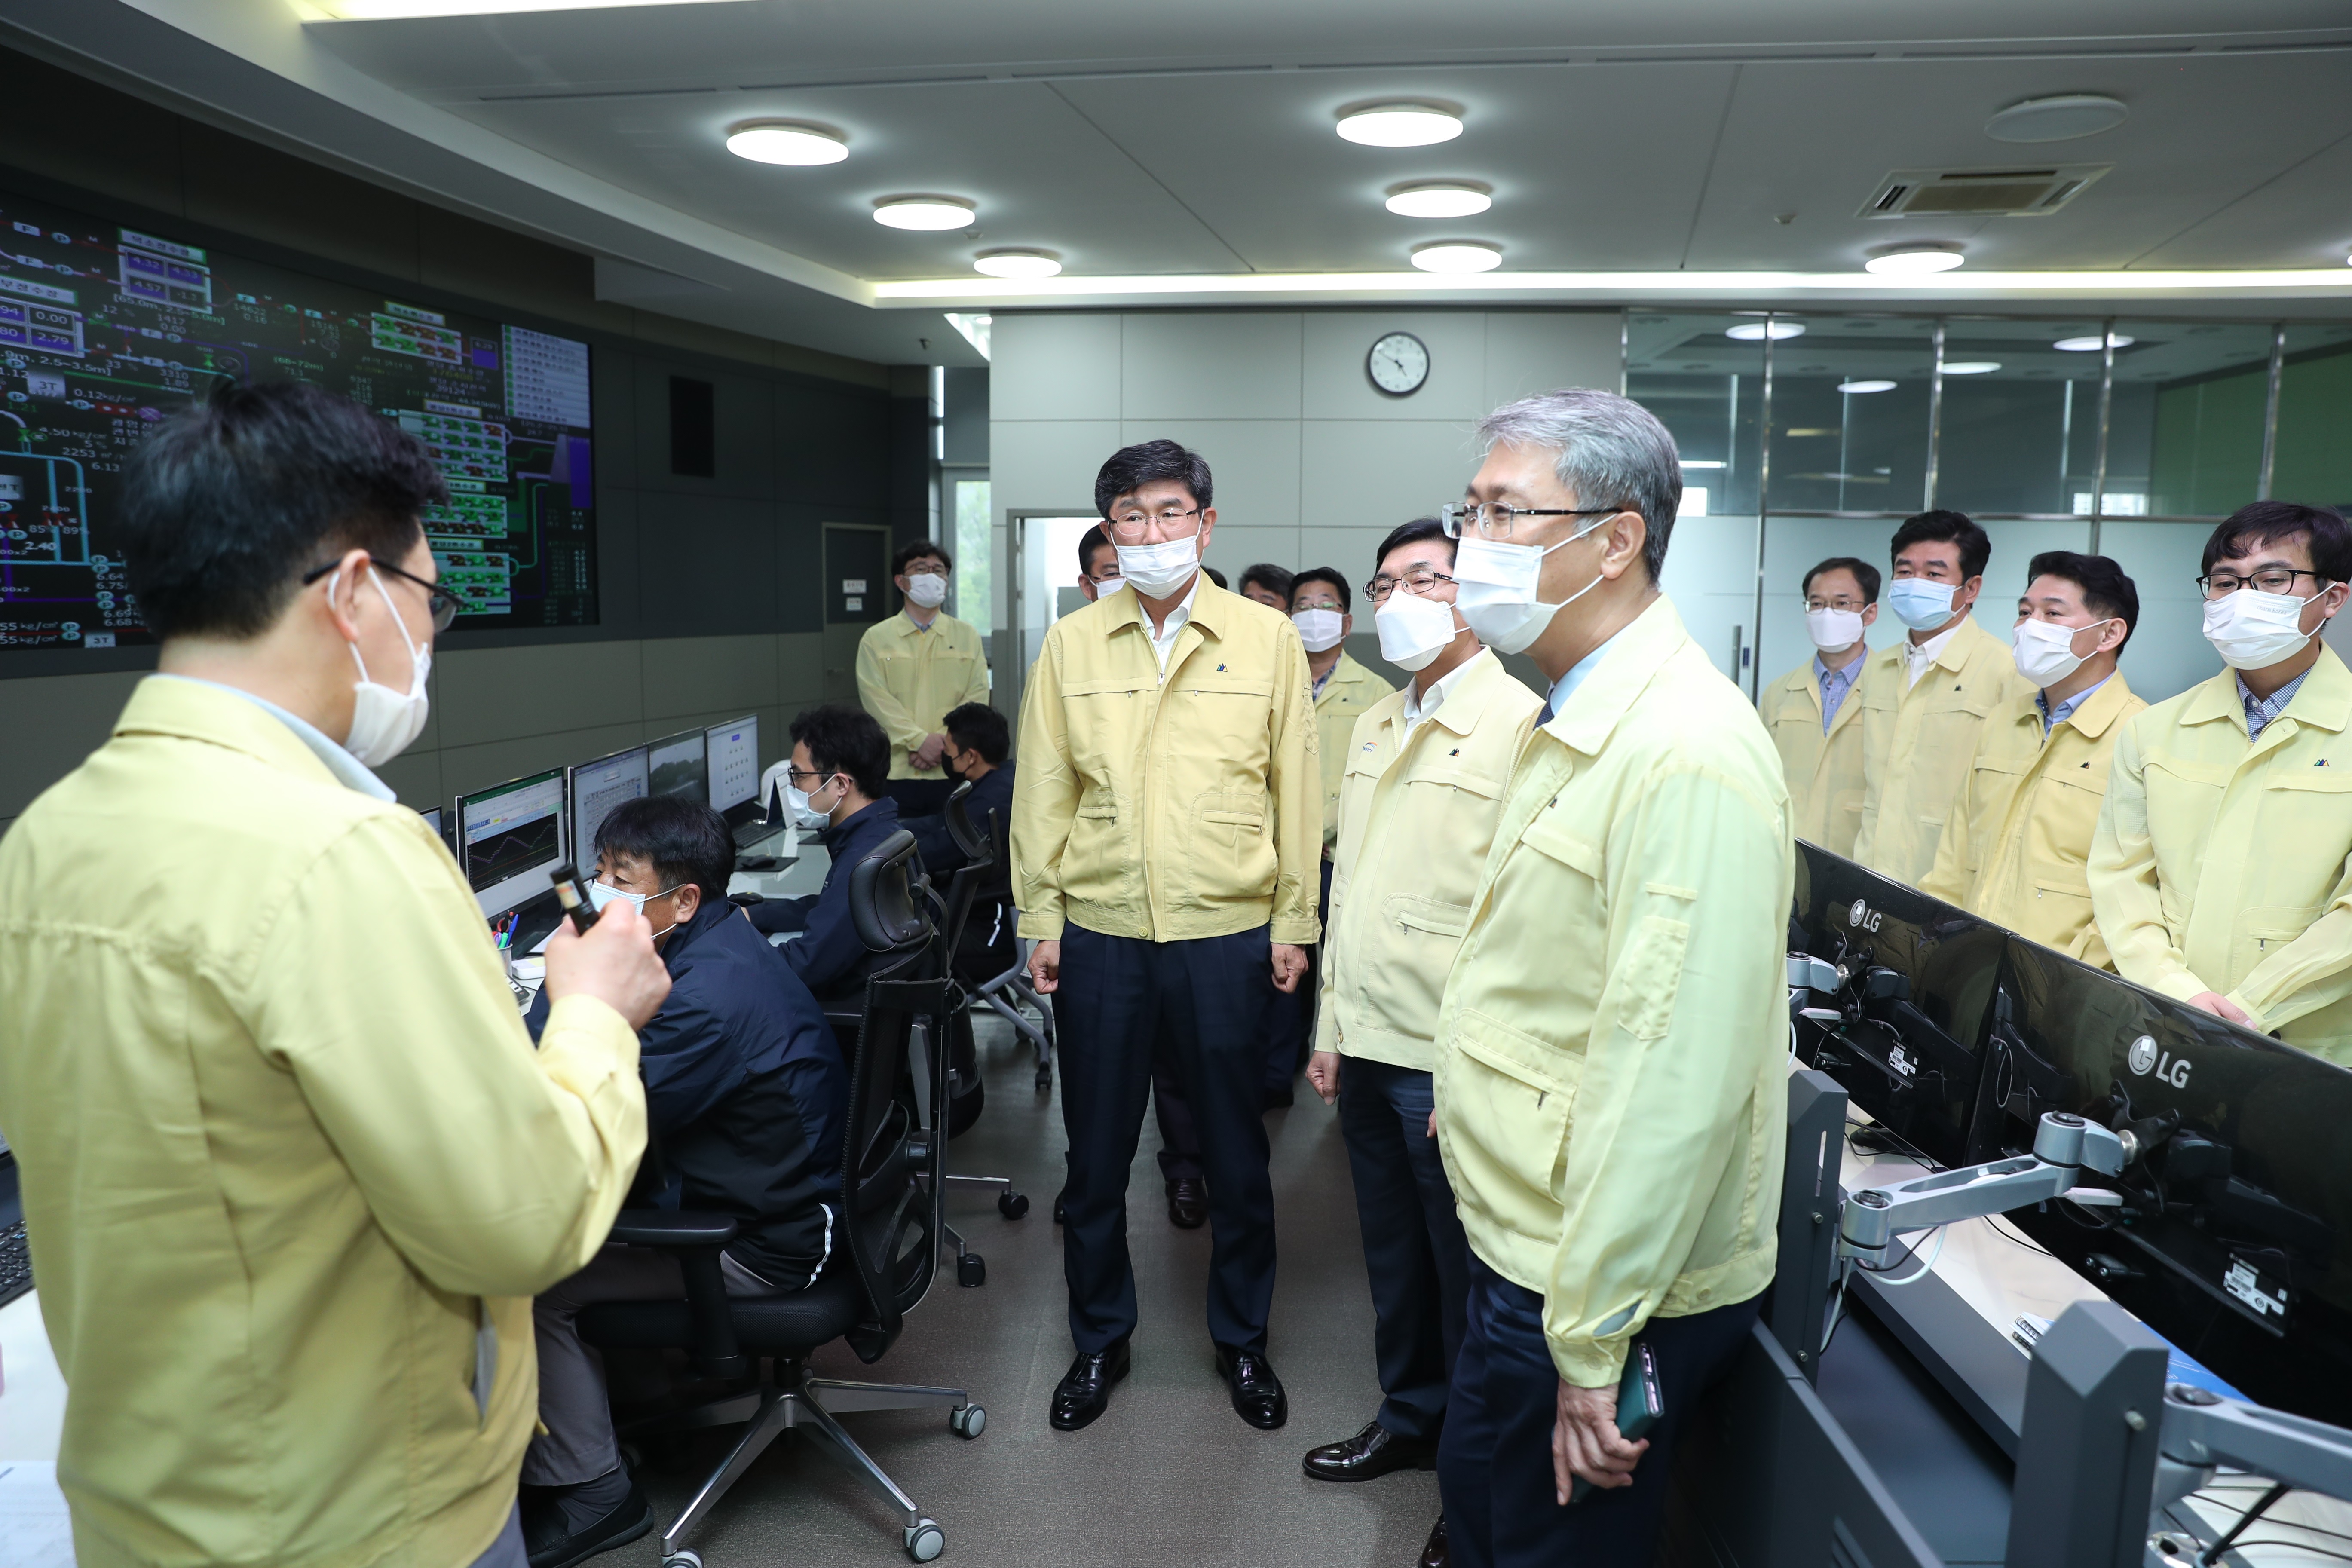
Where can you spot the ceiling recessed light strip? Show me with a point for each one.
(1017, 263)
(1457, 256)
(924, 211)
(1400, 124)
(1864, 386)
(1910, 260)
(2091, 344)
(1439, 198)
(1970, 366)
(1757, 332)
(2059, 119)
(797, 143)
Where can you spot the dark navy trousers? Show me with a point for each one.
(1494, 1462)
(1202, 1001)
(1413, 1251)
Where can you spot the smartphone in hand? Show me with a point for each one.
(1640, 1406)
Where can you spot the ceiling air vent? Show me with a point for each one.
(1980, 192)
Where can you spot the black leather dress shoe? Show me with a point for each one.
(1188, 1202)
(1084, 1392)
(1258, 1398)
(1433, 1554)
(1374, 1451)
(551, 1538)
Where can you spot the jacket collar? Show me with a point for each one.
(677, 955)
(1594, 707)
(904, 623)
(882, 813)
(1467, 701)
(2325, 698)
(200, 711)
(1347, 672)
(1211, 606)
(2101, 708)
(1957, 652)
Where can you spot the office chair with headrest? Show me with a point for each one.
(892, 1165)
(994, 895)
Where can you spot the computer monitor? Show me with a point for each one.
(1909, 1045)
(676, 765)
(432, 815)
(2235, 1229)
(510, 837)
(732, 751)
(595, 788)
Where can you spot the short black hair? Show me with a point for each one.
(1096, 537)
(2108, 591)
(977, 727)
(681, 837)
(1330, 575)
(1131, 467)
(1414, 533)
(1274, 580)
(233, 499)
(915, 550)
(1945, 527)
(1216, 576)
(845, 740)
(2262, 523)
(1864, 573)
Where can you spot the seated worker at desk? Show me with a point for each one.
(744, 1095)
(840, 764)
(978, 742)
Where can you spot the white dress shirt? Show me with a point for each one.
(1418, 707)
(1918, 657)
(1163, 641)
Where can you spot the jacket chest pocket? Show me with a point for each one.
(1104, 721)
(2182, 799)
(1513, 1098)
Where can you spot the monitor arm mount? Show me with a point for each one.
(2202, 1431)
(2064, 1146)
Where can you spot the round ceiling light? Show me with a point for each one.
(2090, 344)
(1911, 259)
(2059, 119)
(792, 141)
(924, 212)
(1439, 198)
(1865, 387)
(1457, 256)
(1400, 125)
(1970, 366)
(1017, 263)
(1757, 332)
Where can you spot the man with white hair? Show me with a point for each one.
(1611, 1079)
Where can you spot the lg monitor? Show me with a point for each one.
(510, 837)
(676, 765)
(595, 788)
(432, 815)
(733, 764)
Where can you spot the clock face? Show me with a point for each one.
(1398, 363)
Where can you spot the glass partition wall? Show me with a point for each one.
(1809, 436)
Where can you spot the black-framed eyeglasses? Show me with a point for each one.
(2268, 580)
(1379, 589)
(1130, 528)
(442, 604)
(1495, 521)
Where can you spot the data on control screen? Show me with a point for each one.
(106, 330)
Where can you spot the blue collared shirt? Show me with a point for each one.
(1835, 684)
(2261, 710)
(1565, 687)
(2053, 717)
(349, 771)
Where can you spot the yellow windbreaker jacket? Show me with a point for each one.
(1613, 1064)
(1174, 807)
(1416, 819)
(1824, 772)
(2017, 846)
(908, 678)
(1346, 697)
(292, 1170)
(1918, 741)
(2226, 865)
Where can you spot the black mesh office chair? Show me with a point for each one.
(1003, 957)
(892, 1167)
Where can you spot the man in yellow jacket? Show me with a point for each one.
(1924, 701)
(912, 669)
(1322, 608)
(291, 1168)
(2219, 870)
(1613, 1078)
(2018, 844)
(1164, 838)
(1815, 729)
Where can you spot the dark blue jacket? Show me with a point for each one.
(830, 957)
(745, 1092)
(937, 846)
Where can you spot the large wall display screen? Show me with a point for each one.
(106, 330)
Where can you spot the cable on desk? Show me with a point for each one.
(1925, 1268)
(2212, 1554)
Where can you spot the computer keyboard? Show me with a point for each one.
(15, 1263)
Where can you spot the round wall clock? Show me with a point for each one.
(1398, 363)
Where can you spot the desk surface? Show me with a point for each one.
(32, 1389)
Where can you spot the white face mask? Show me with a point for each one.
(385, 722)
(1158, 569)
(805, 812)
(1319, 629)
(1413, 630)
(1833, 631)
(600, 894)
(2045, 650)
(1497, 591)
(926, 590)
(1919, 604)
(2253, 630)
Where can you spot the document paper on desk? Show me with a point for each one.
(36, 1531)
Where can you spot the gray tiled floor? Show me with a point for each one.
(1170, 1475)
